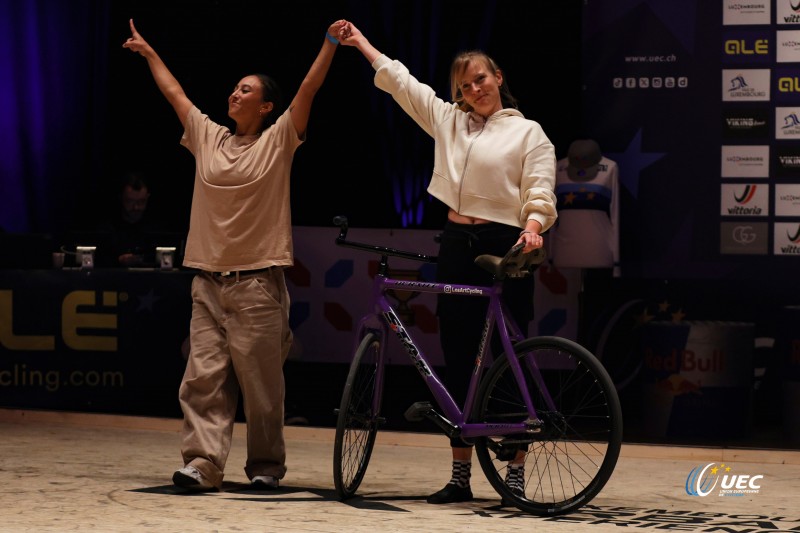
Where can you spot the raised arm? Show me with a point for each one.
(164, 79)
(301, 103)
(349, 35)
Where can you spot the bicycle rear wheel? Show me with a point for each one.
(358, 419)
(570, 460)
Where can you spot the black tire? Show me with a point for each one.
(358, 421)
(570, 460)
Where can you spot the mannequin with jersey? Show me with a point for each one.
(586, 233)
(584, 242)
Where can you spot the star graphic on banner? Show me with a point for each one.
(632, 161)
(147, 302)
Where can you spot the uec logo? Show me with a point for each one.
(701, 481)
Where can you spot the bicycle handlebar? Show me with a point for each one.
(341, 240)
(514, 264)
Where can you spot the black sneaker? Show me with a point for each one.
(451, 493)
(517, 492)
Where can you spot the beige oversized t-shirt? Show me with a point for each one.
(241, 218)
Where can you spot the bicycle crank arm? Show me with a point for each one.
(424, 410)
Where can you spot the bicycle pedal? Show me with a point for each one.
(417, 411)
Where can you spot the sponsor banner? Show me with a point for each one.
(787, 163)
(744, 200)
(751, 238)
(787, 46)
(745, 124)
(746, 46)
(696, 378)
(787, 12)
(745, 85)
(738, 42)
(787, 238)
(786, 84)
(787, 123)
(750, 161)
(736, 12)
(105, 340)
(787, 200)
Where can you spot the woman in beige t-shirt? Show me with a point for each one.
(240, 240)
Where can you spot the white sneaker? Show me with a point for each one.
(264, 482)
(189, 477)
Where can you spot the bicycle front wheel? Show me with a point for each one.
(358, 420)
(569, 460)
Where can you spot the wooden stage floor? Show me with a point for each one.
(100, 473)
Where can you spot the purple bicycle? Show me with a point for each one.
(546, 404)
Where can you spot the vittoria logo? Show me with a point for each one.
(745, 200)
(787, 12)
(787, 238)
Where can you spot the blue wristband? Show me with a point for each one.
(331, 38)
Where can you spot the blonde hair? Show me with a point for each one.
(457, 69)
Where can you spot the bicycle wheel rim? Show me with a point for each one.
(571, 459)
(357, 422)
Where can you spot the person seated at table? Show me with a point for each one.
(132, 223)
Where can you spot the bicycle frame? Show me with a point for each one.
(383, 313)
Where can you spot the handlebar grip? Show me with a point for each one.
(341, 221)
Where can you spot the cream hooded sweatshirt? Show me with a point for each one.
(501, 169)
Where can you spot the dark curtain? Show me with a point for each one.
(52, 100)
(76, 108)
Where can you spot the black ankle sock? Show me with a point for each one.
(462, 470)
(515, 476)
